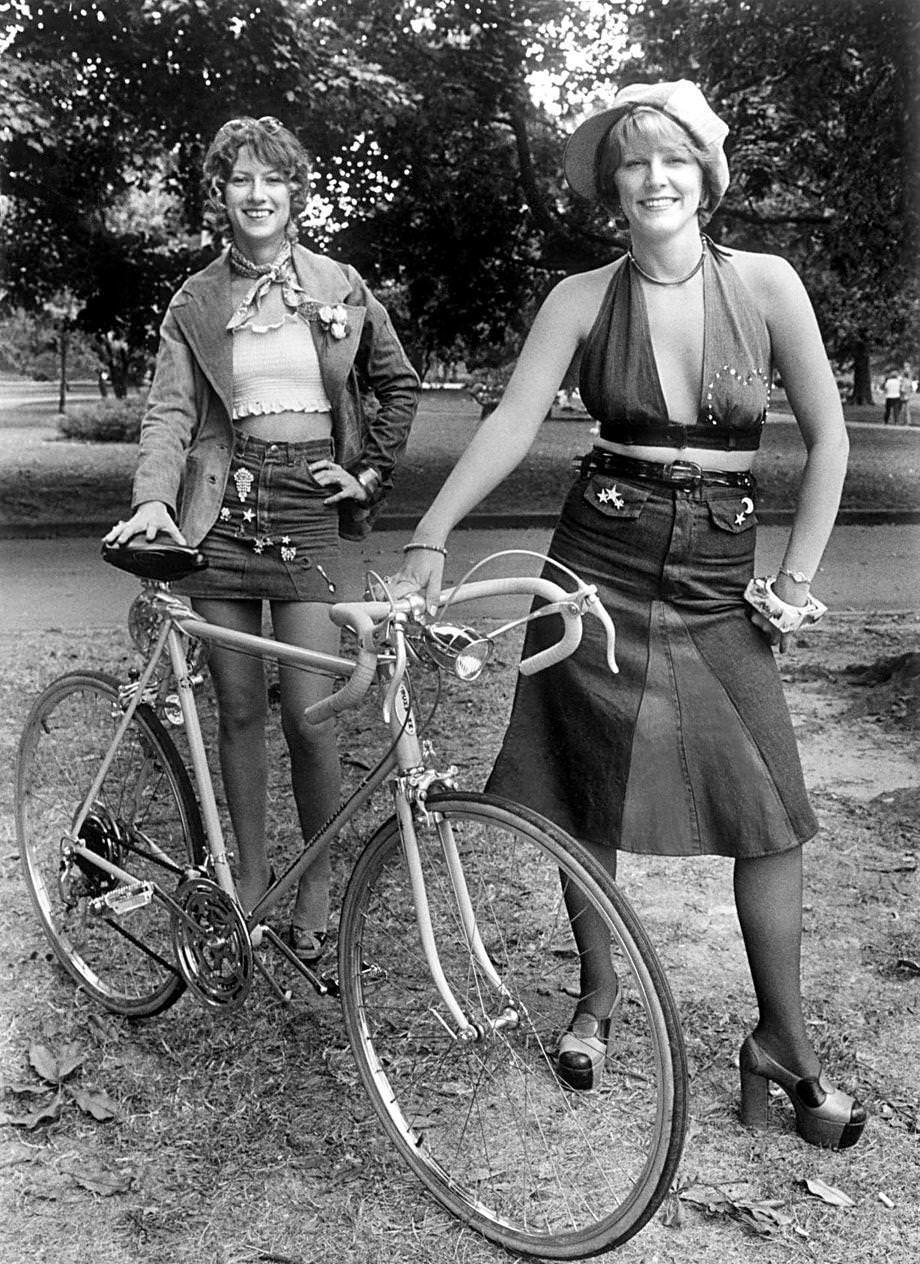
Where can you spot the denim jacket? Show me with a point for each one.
(187, 436)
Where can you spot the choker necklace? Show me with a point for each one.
(657, 280)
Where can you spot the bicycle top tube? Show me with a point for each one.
(371, 622)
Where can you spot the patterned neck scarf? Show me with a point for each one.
(264, 275)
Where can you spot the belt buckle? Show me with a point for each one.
(683, 472)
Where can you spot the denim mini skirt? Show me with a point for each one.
(274, 538)
(689, 750)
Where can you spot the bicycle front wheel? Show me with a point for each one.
(486, 1124)
(113, 938)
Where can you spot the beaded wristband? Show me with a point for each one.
(428, 548)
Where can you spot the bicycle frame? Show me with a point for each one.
(405, 759)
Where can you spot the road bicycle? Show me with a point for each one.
(458, 966)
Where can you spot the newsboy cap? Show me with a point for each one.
(681, 101)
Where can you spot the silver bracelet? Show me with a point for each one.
(797, 577)
(370, 479)
(428, 548)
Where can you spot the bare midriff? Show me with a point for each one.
(706, 458)
(286, 427)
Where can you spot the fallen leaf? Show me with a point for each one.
(100, 1180)
(827, 1193)
(672, 1216)
(49, 1113)
(44, 1063)
(95, 1102)
(54, 1069)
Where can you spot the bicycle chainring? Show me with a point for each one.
(212, 944)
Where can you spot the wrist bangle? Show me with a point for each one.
(369, 478)
(428, 548)
(783, 616)
(797, 577)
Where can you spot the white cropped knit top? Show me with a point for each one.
(276, 369)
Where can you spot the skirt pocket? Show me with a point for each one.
(613, 498)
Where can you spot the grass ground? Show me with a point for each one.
(228, 1140)
(46, 482)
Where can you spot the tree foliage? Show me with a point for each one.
(437, 172)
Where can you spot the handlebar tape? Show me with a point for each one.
(567, 644)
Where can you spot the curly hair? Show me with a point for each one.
(643, 127)
(272, 144)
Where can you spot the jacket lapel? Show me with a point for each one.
(203, 317)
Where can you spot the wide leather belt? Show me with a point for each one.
(674, 473)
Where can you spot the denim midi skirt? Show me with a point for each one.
(689, 750)
(274, 538)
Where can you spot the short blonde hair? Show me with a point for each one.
(643, 126)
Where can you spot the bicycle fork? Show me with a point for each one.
(466, 1028)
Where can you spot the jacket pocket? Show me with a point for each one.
(613, 498)
(734, 516)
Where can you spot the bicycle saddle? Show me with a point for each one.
(160, 558)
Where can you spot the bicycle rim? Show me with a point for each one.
(145, 819)
(486, 1125)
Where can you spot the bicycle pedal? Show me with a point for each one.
(123, 899)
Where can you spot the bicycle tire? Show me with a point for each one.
(124, 959)
(486, 1126)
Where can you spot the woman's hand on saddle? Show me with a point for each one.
(328, 474)
(150, 519)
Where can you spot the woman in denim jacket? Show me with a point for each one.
(256, 448)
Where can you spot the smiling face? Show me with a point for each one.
(257, 199)
(659, 184)
(649, 169)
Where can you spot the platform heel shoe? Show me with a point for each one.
(582, 1049)
(824, 1115)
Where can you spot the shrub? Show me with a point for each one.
(104, 421)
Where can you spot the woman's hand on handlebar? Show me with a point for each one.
(422, 571)
(150, 519)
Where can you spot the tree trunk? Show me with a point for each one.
(62, 386)
(862, 377)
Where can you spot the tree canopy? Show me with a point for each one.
(438, 166)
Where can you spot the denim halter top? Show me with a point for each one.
(619, 380)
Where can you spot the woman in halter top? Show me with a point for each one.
(690, 749)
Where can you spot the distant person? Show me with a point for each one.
(891, 389)
(255, 448)
(690, 749)
(907, 390)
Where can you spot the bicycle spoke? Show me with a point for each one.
(114, 938)
(486, 1124)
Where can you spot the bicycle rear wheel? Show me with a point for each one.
(114, 940)
(486, 1124)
